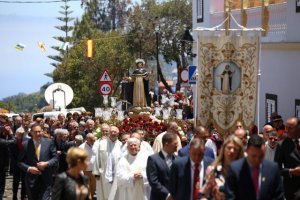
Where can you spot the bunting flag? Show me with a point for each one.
(42, 46)
(64, 46)
(227, 79)
(20, 46)
(89, 48)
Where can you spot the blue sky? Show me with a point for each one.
(23, 71)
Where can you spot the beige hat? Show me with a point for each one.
(139, 61)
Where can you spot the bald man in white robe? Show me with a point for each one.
(131, 173)
(106, 160)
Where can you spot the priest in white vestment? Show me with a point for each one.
(131, 173)
(106, 160)
(105, 131)
(145, 147)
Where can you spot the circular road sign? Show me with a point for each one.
(105, 89)
(184, 75)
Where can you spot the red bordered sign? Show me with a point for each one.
(105, 77)
(105, 89)
(184, 75)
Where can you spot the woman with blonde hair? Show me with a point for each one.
(231, 150)
(72, 184)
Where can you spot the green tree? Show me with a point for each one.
(172, 17)
(83, 28)
(175, 17)
(107, 15)
(66, 28)
(82, 73)
(3, 105)
(116, 50)
(25, 102)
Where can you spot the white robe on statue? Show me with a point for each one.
(128, 187)
(106, 160)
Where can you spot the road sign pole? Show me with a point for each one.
(105, 87)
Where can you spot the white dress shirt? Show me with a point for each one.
(91, 155)
(270, 152)
(167, 159)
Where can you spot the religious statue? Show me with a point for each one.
(140, 88)
(226, 79)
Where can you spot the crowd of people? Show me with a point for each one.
(64, 158)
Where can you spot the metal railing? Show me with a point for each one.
(277, 21)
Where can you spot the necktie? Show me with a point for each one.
(196, 184)
(37, 150)
(169, 160)
(19, 143)
(255, 179)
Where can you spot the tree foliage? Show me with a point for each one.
(172, 18)
(116, 50)
(82, 73)
(26, 102)
(173, 25)
(107, 15)
(83, 28)
(120, 31)
(66, 28)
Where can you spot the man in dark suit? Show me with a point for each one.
(288, 158)
(6, 139)
(202, 133)
(62, 146)
(253, 177)
(188, 173)
(18, 174)
(37, 160)
(158, 168)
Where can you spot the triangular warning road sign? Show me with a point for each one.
(105, 77)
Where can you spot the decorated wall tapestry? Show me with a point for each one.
(227, 78)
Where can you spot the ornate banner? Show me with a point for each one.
(227, 78)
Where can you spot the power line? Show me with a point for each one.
(48, 1)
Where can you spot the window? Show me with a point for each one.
(297, 108)
(271, 106)
(199, 11)
(297, 5)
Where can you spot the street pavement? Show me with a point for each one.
(8, 194)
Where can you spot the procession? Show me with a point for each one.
(151, 100)
(81, 157)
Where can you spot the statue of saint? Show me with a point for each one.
(139, 77)
(226, 80)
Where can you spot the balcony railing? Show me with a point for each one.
(277, 21)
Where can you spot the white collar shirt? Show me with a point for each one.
(91, 155)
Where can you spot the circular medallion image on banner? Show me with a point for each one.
(227, 77)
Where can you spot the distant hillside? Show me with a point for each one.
(26, 102)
